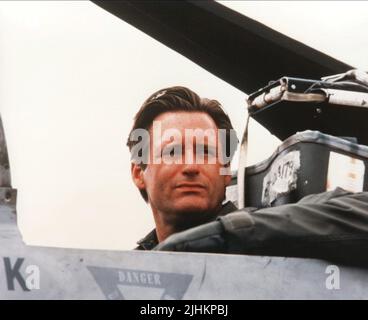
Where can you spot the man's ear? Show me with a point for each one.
(137, 176)
(228, 174)
(227, 179)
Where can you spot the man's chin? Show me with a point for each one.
(192, 214)
(192, 206)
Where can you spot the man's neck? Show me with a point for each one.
(165, 228)
(164, 231)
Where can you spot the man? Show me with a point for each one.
(186, 196)
(189, 190)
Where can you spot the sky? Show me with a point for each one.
(73, 76)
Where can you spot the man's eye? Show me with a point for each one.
(171, 152)
(206, 151)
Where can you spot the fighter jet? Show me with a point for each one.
(247, 55)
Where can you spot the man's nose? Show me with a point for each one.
(190, 169)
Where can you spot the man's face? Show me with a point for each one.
(186, 187)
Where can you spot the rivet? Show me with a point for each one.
(8, 196)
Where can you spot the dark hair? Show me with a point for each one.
(181, 99)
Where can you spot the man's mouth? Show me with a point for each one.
(190, 186)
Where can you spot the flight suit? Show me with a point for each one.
(331, 225)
